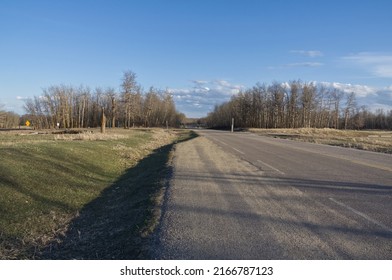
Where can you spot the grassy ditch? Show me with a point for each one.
(82, 196)
(371, 140)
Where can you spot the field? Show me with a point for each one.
(371, 140)
(81, 196)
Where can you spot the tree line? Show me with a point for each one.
(295, 105)
(8, 119)
(80, 107)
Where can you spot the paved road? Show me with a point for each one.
(243, 196)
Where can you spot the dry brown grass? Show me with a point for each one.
(371, 140)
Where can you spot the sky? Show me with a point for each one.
(202, 51)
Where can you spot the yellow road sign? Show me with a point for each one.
(27, 123)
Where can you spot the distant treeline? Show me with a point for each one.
(294, 105)
(80, 107)
(8, 119)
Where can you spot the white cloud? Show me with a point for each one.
(380, 65)
(360, 90)
(384, 71)
(223, 83)
(297, 64)
(377, 106)
(200, 82)
(21, 98)
(305, 64)
(371, 97)
(225, 87)
(313, 53)
(202, 96)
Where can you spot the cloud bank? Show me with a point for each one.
(308, 53)
(378, 64)
(201, 96)
(304, 64)
(372, 97)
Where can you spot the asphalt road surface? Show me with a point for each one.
(243, 196)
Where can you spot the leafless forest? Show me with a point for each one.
(296, 105)
(80, 107)
(291, 105)
(8, 119)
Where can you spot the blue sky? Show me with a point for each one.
(202, 51)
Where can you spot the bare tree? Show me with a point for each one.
(82, 105)
(336, 96)
(307, 101)
(2, 116)
(112, 97)
(150, 107)
(8, 119)
(128, 86)
(278, 103)
(350, 108)
(292, 104)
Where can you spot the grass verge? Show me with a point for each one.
(371, 140)
(81, 197)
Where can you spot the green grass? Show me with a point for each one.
(72, 196)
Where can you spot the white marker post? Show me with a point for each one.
(232, 124)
